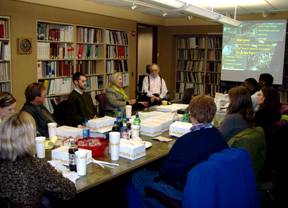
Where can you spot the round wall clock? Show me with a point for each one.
(24, 45)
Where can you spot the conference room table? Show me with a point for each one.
(97, 175)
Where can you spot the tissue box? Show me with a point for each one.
(131, 150)
(179, 128)
(61, 153)
(100, 122)
(69, 131)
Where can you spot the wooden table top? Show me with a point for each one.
(97, 175)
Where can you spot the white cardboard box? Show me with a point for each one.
(69, 131)
(151, 127)
(131, 149)
(62, 154)
(179, 128)
(100, 122)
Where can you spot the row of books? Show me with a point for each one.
(215, 42)
(196, 77)
(55, 32)
(195, 66)
(4, 51)
(4, 71)
(58, 86)
(212, 78)
(187, 54)
(89, 35)
(95, 83)
(50, 102)
(214, 54)
(212, 89)
(116, 37)
(88, 51)
(4, 29)
(87, 67)
(54, 51)
(116, 52)
(213, 67)
(192, 42)
(5, 87)
(116, 66)
(46, 69)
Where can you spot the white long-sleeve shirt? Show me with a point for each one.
(155, 86)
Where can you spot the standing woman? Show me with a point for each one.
(24, 178)
(239, 113)
(268, 113)
(7, 105)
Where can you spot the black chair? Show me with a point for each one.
(61, 113)
(101, 101)
(188, 93)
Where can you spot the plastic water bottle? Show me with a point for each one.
(124, 131)
(72, 158)
(137, 120)
(186, 117)
(115, 126)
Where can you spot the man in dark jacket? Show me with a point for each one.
(80, 104)
(35, 96)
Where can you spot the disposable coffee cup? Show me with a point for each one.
(40, 146)
(114, 143)
(135, 131)
(81, 162)
(52, 129)
(128, 110)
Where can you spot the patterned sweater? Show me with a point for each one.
(25, 180)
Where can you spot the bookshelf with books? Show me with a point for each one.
(117, 54)
(5, 62)
(63, 49)
(55, 60)
(198, 64)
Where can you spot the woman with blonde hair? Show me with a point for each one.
(24, 178)
(116, 97)
(7, 105)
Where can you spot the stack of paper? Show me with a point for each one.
(179, 128)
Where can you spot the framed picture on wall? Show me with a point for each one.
(24, 45)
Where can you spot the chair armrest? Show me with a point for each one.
(161, 197)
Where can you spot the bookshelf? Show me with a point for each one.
(5, 54)
(198, 64)
(63, 49)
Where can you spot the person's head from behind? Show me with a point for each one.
(240, 102)
(7, 104)
(265, 80)
(252, 85)
(79, 81)
(35, 93)
(202, 109)
(17, 136)
(116, 79)
(269, 98)
(154, 70)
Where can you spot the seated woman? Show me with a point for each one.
(189, 150)
(268, 113)
(116, 98)
(24, 178)
(7, 105)
(239, 113)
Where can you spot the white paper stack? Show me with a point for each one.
(69, 131)
(151, 127)
(179, 128)
(61, 154)
(131, 149)
(98, 123)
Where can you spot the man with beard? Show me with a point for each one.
(80, 104)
